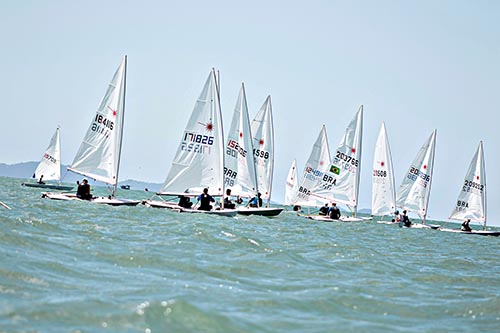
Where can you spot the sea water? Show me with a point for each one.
(83, 267)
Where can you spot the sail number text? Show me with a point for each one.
(379, 173)
(472, 187)
(261, 153)
(346, 158)
(102, 124)
(233, 149)
(229, 176)
(49, 158)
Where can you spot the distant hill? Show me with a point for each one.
(24, 170)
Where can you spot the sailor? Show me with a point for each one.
(184, 202)
(83, 191)
(40, 181)
(465, 226)
(323, 210)
(227, 200)
(205, 199)
(405, 219)
(334, 212)
(256, 201)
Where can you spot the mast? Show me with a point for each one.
(432, 171)
(272, 158)
(483, 171)
(221, 151)
(121, 125)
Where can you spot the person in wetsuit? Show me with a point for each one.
(83, 191)
(205, 199)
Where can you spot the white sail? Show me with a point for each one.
(239, 171)
(199, 161)
(413, 194)
(341, 183)
(99, 153)
(383, 189)
(314, 171)
(292, 185)
(50, 165)
(471, 202)
(263, 148)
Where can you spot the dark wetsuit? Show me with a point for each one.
(83, 192)
(228, 203)
(334, 213)
(205, 200)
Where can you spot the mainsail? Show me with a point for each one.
(346, 164)
(239, 169)
(471, 202)
(199, 161)
(383, 190)
(50, 165)
(263, 148)
(99, 153)
(413, 194)
(314, 171)
(292, 185)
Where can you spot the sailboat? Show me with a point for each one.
(240, 174)
(99, 154)
(414, 191)
(49, 167)
(383, 189)
(263, 154)
(471, 202)
(292, 184)
(316, 167)
(340, 182)
(199, 160)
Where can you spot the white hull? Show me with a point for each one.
(473, 232)
(323, 218)
(161, 204)
(263, 211)
(421, 226)
(222, 212)
(98, 200)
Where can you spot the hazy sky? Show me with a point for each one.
(417, 65)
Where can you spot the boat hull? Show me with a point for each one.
(112, 201)
(421, 226)
(49, 186)
(473, 232)
(263, 211)
(161, 204)
(222, 212)
(323, 218)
